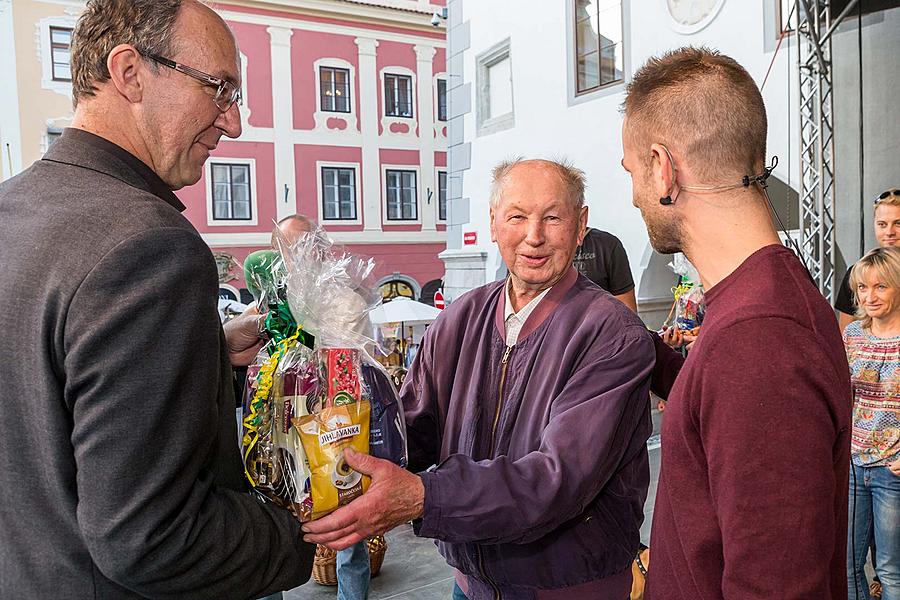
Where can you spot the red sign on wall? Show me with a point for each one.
(470, 238)
(439, 300)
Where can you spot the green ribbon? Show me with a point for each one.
(280, 325)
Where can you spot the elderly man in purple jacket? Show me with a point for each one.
(530, 396)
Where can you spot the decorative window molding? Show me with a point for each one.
(399, 126)
(54, 128)
(335, 90)
(389, 200)
(325, 117)
(61, 53)
(398, 96)
(50, 136)
(320, 191)
(441, 205)
(491, 119)
(245, 92)
(250, 163)
(45, 48)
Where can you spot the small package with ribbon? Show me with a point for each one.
(689, 307)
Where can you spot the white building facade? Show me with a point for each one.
(547, 79)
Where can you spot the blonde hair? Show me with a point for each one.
(573, 179)
(892, 198)
(886, 263)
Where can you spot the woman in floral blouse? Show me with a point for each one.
(873, 349)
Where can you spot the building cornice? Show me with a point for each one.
(408, 14)
(230, 240)
(405, 14)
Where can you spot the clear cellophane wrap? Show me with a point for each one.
(315, 390)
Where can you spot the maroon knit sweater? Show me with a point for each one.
(752, 496)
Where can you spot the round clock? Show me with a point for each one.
(690, 16)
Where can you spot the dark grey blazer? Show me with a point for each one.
(120, 474)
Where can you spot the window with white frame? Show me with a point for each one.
(599, 51)
(441, 99)
(402, 203)
(231, 192)
(442, 195)
(786, 16)
(60, 53)
(494, 85)
(338, 194)
(334, 85)
(398, 98)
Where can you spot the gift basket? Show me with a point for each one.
(324, 569)
(314, 389)
(688, 308)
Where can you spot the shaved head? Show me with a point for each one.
(703, 106)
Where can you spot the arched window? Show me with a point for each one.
(396, 285)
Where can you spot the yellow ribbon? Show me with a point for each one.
(681, 289)
(265, 379)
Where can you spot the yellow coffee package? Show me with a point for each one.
(324, 436)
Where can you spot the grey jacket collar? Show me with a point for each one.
(80, 148)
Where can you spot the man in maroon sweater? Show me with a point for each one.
(752, 497)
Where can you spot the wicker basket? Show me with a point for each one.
(325, 564)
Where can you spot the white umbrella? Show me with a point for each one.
(403, 310)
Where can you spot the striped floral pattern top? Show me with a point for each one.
(875, 372)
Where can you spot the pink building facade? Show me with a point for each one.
(344, 120)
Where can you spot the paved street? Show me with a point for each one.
(413, 569)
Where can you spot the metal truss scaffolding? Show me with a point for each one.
(815, 28)
(816, 142)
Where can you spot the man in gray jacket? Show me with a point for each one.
(120, 475)
(531, 396)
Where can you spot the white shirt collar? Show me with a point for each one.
(516, 320)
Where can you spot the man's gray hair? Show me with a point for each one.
(572, 178)
(148, 25)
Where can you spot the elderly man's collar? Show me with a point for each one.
(84, 149)
(544, 308)
(508, 310)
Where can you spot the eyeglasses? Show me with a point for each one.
(884, 195)
(226, 92)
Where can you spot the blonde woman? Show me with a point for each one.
(873, 350)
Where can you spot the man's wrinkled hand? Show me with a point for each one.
(395, 496)
(242, 337)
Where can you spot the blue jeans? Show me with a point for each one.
(353, 572)
(874, 509)
(458, 593)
